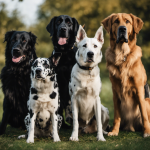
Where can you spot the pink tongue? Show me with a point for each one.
(16, 59)
(62, 41)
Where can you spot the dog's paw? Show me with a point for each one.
(113, 133)
(100, 138)
(30, 140)
(74, 138)
(56, 139)
(146, 135)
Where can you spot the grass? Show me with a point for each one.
(125, 140)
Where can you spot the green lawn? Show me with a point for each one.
(125, 140)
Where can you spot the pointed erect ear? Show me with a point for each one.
(81, 34)
(54, 59)
(51, 26)
(137, 23)
(8, 35)
(99, 35)
(107, 23)
(75, 26)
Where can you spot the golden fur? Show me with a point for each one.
(127, 75)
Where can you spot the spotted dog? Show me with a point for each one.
(44, 102)
(85, 86)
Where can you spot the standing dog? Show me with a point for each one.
(85, 84)
(15, 77)
(127, 74)
(63, 30)
(43, 99)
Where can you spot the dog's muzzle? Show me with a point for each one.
(122, 34)
(90, 55)
(38, 73)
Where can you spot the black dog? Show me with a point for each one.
(63, 30)
(15, 77)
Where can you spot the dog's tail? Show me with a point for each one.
(147, 91)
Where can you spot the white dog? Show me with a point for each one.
(43, 100)
(85, 84)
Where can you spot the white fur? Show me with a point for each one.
(85, 85)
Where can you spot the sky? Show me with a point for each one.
(27, 8)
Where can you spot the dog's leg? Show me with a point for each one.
(117, 118)
(55, 132)
(97, 110)
(4, 122)
(31, 128)
(142, 104)
(74, 135)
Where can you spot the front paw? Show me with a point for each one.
(100, 138)
(30, 140)
(74, 138)
(56, 139)
(146, 133)
(113, 133)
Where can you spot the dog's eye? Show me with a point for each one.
(127, 21)
(95, 46)
(116, 21)
(84, 45)
(69, 22)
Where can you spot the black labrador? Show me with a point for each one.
(15, 77)
(63, 30)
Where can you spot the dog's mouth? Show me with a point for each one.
(62, 40)
(16, 59)
(90, 60)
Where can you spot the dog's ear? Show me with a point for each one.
(54, 59)
(137, 23)
(99, 35)
(51, 26)
(33, 38)
(107, 23)
(75, 26)
(31, 61)
(81, 34)
(8, 35)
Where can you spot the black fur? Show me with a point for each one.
(52, 78)
(15, 78)
(53, 95)
(33, 91)
(68, 51)
(31, 113)
(35, 97)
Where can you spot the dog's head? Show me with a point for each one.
(89, 49)
(43, 67)
(63, 30)
(43, 119)
(20, 46)
(122, 27)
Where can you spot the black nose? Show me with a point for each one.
(90, 54)
(63, 29)
(122, 28)
(38, 71)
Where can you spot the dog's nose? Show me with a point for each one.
(63, 29)
(122, 28)
(38, 71)
(90, 54)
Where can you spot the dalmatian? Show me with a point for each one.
(43, 103)
(85, 86)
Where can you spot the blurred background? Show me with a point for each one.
(34, 15)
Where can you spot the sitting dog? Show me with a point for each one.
(127, 74)
(63, 30)
(15, 77)
(43, 99)
(85, 85)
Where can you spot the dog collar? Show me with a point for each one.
(85, 68)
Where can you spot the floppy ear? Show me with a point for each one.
(99, 35)
(8, 35)
(51, 26)
(75, 26)
(107, 23)
(81, 34)
(137, 23)
(33, 38)
(54, 59)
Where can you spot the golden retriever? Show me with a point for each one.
(127, 74)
